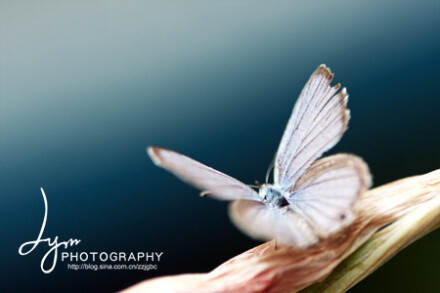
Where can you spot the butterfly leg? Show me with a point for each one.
(257, 184)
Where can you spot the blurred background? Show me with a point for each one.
(85, 87)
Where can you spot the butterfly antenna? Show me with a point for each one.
(269, 170)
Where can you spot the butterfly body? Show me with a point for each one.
(312, 198)
(273, 196)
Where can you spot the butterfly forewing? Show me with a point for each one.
(318, 121)
(210, 181)
(325, 195)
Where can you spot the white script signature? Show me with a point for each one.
(53, 244)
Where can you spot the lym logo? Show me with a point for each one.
(53, 244)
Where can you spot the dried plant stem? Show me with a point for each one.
(382, 246)
(412, 205)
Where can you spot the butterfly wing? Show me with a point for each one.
(321, 204)
(318, 121)
(264, 223)
(326, 193)
(210, 181)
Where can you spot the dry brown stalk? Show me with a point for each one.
(412, 205)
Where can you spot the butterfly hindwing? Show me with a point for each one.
(321, 204)
(326, 193)
(262, 222)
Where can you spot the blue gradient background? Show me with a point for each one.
(85, 87)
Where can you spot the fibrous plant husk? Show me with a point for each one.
(389, 218)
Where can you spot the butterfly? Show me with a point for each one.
(310, 199)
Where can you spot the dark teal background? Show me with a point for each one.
(85, 87)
